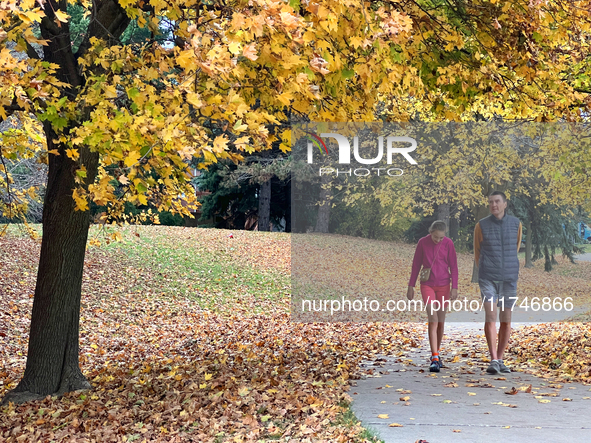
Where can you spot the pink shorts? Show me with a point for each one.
(439, 293)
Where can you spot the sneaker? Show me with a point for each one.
(434, 367)
(493, 368)
(440, 362)
(504, 369)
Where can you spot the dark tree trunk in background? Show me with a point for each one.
(454, 227)
(288, 208)
(528, 245)
(265, 206)
(443, 213)
(324, 206)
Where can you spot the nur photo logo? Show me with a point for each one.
(394, 146)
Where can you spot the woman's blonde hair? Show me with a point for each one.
(438, 225)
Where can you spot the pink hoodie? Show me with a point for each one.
(443, 268)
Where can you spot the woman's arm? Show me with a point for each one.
(417, 262)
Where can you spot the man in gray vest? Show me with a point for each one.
(496, 242)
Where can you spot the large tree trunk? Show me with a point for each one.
(265, 205)
(52, 359)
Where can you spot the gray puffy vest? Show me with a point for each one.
(498, 249)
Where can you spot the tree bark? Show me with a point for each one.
(528, 245)
(288, 215)
(324, 206)
(443, 213)
(454, 226)
(52, 360)
(265, 205)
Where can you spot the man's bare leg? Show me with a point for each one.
(504, 332)
(490, 328)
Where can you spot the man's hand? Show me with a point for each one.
(410, 293)
(454, 294)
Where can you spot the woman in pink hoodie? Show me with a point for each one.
(437, 252)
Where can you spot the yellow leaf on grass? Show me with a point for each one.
(208, 377)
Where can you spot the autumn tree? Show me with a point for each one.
(108, 109)
(111, 112)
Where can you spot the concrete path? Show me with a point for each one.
(583, 257)
(463, 403)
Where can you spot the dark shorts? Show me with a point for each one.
(503, 293)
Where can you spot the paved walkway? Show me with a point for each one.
(583, 257)
(402, 402)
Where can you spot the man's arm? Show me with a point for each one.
(477, 241)
(519, 237)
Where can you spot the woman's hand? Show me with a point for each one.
(410, 293)
(453, 294)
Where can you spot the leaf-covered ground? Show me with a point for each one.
(186, 336)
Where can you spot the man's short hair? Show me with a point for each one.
(502, 194)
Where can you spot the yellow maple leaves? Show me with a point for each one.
(237, 70)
